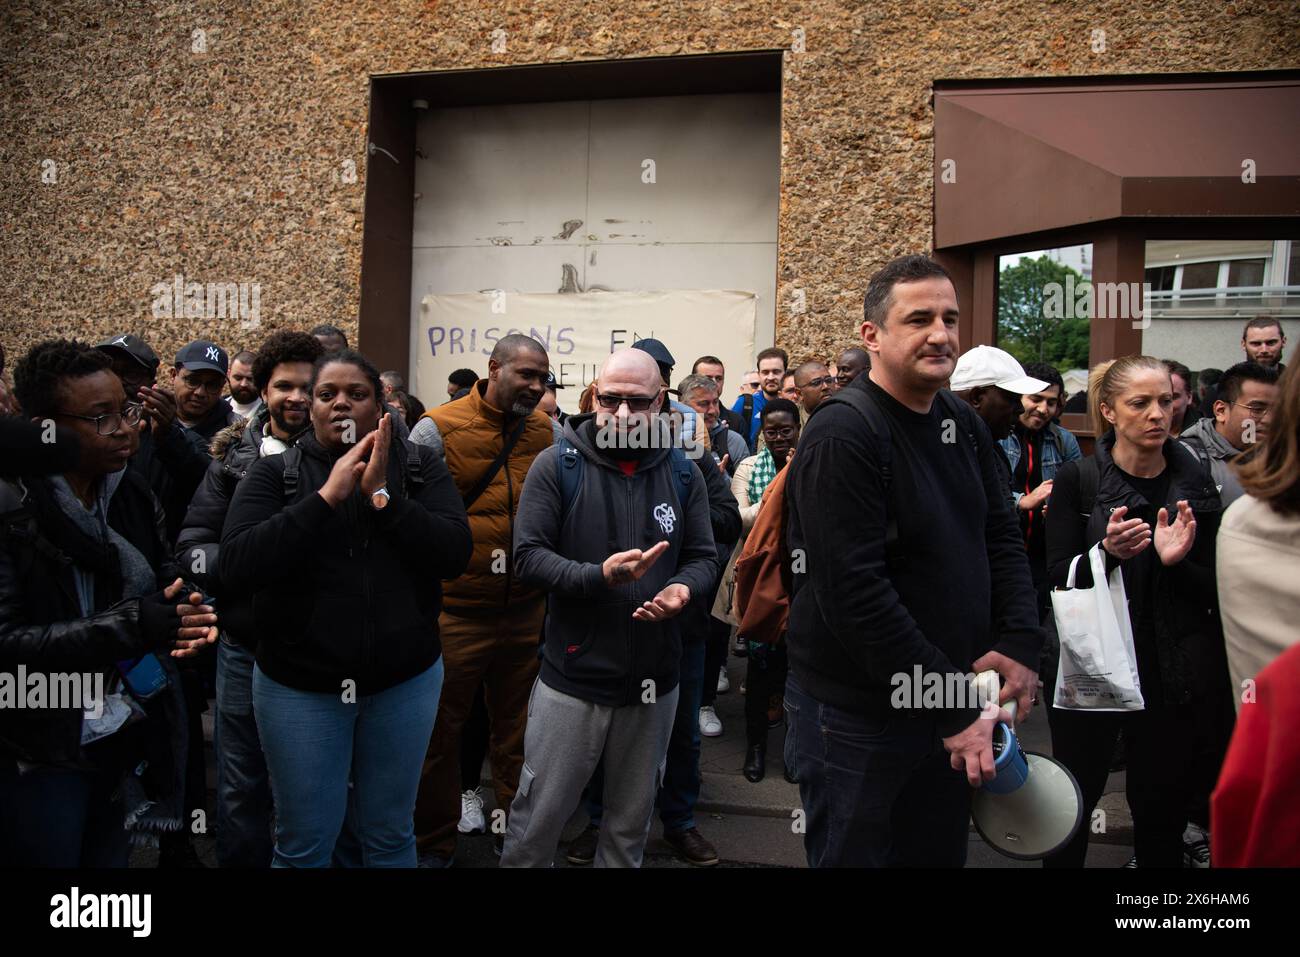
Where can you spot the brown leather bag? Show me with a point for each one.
(762, 593)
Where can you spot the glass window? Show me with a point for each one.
(1161, 278)
(1045, 304)
(1246, 272)
(1198, 320)
(1200, 276)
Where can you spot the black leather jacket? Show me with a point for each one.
(41, 623)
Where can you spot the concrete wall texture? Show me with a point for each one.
(134, 148)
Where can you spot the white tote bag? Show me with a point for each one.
(1098, 667)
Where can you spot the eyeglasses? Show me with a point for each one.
(783, 433)
(755, 385)
(1258, 409)
(818, 383)
(635, 403)
(110, 422)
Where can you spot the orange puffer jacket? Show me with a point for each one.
(473, 433)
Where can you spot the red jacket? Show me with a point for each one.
(1255, 817)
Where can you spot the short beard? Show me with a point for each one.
(278, 420)
(522, 409)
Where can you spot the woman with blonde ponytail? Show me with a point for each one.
(1152, 507)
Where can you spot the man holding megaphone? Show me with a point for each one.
(908, 575)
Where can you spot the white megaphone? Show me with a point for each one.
(1033, 807)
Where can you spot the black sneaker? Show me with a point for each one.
(693, 848)
(1196, 847)
(582, 851)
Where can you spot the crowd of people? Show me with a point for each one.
(381, 596)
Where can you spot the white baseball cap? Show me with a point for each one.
(985, 365)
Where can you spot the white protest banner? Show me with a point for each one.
(580, 329)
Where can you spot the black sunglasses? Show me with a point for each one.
(635, 403)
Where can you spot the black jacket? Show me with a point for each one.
(960, 583)
(233, 451)
(593, 649)
(174, 462)
(346, 594)
(41, 623)
(1174, 609)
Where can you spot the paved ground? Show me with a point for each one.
(751, 824)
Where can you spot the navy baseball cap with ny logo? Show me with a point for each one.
(201, 354)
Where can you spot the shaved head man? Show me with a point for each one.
(629, 389)
(622, 543)
(813, 380)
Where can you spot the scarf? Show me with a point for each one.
(761, 477)
(152, 789)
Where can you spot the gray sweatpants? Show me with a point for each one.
(563, 743)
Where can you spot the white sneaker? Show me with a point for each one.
(471, 813)
(724, 683)
(710, 726)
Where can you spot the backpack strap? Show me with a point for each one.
(682, 470)
(1089, 479)
(292, 458)
(411, 475)
(747, 415)
(865, 406)
(569, 467)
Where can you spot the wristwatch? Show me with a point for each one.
(379, 497)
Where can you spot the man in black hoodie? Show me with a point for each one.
(614, 523)
(907, 564)
(282, 376)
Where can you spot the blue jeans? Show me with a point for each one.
(876, 792)
(316, 743)
(60, 817)
(243, 785)
(681, 785)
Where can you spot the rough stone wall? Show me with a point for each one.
(227, 165)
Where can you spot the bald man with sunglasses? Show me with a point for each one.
(614, 524)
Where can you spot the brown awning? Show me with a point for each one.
(1039, 155)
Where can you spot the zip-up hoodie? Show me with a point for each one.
(593, 648)
(1212, 448)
